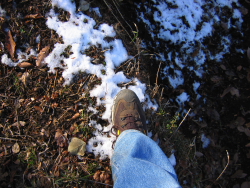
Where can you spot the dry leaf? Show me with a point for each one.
(77, 146)
(42, 54)
(223, 67)
(248, 75)
(10, 44)
(239, 174)
(15, 148)
(198, 154)
(232, 90)
(83, 5)
(34, 16)
(196, 52)
(224, 25)
(24, 65)
(248, 125)
(216, 79)
(247, 145)
(243, 10)
(243, 129)
(200, 123)
(61, 140)
(248, 53)
(213, 114)
(58, 133)
(75, 116)
(96, 176)
(238, 122)
(18, 123)
(38, 108)
(25, 78)
(235, 91)
(245, 184)
(104, 176)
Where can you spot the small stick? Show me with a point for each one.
(9, 139)
(158, 74)
(180, 124)
(228, 158)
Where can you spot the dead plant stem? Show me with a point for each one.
(118, 20)
(228, 158)
(180, 124)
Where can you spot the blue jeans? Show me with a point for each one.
(139, 162)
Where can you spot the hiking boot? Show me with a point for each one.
(127, 112)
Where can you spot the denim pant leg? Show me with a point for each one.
(139, 162)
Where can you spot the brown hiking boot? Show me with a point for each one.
(127, 112)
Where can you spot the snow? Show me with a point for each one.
(205, 141)
(97, 11)
(2, 12)
(182, 98)
(80, 33)
(186, 24)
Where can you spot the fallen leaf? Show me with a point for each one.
(38, 108)
(245, 184)
(61, 140)
(239, 174)
(200, 123)
(236, 186)
(223, 67)
(15, 148)
(104, 176)
(239, 68)
(83, 5)
(25, 78)
(18, 123)
(247, 145)
(10, 44)
(34, 16)
(248, 53)
(243, 10)
(243, 129)
(248, 125)
(238, 122)
(213, 114)
(224, 25)
(235, 92)
(58, 133)
(24, 65)
(198, 154)
(216, 79)
(42, 54)
(196, 52)
(232, 90)
(96, 176)
(75, 116)
(77, 147)
(236, 157)
(248, 75)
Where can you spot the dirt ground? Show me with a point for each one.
(39, 115)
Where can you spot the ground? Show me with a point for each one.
(39, 114)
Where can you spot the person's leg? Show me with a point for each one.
(137, 160)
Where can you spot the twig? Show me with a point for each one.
(180, 124)
(117, 19)
(156, 81)
(9, 139)
(122, 15)
(228, 158)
